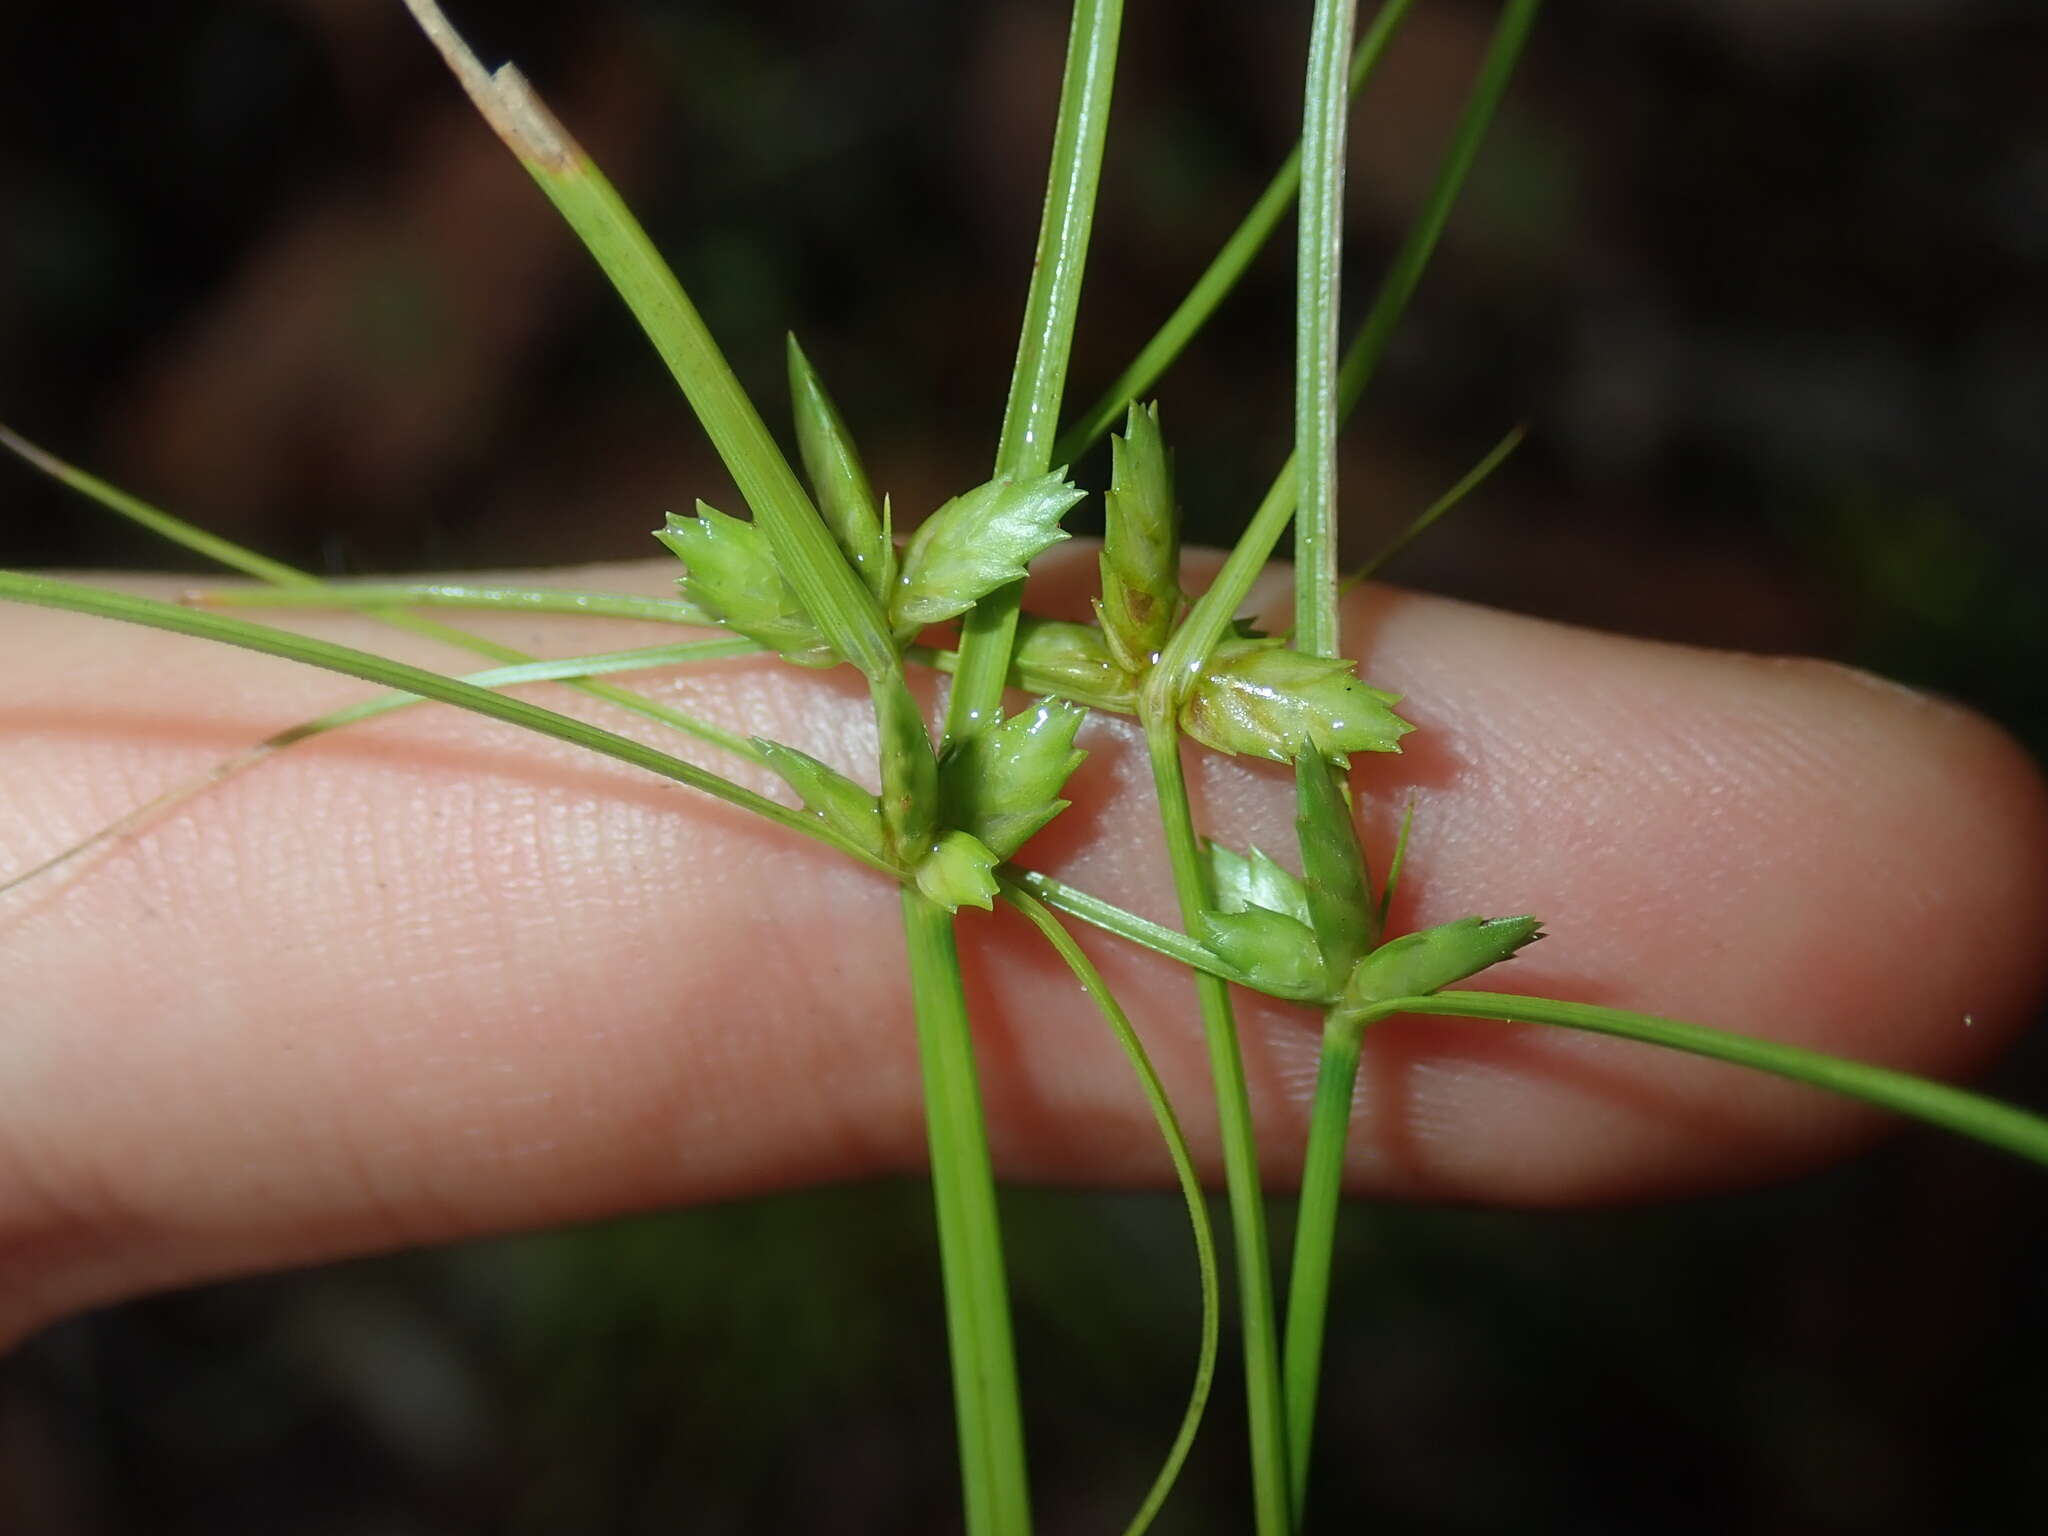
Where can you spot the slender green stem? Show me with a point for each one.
(456, 594)
(1222, 274)
(1318, 291)
(1955, 1109)
(970, 1239)
(1038, 382)
(1184, 1169)
(1208, 620)
(1315, 1228)
(1318, 287)
(1111, 918)
(1264, 1404)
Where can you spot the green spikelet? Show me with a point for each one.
(734, 575)
(980, 540)
(1260, 698)
(1141, 598)
(1003, 784)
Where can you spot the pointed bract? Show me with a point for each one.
(1420, 963)
(734, 575)
(910, 770)
(959, 872)
(829, 795)
(1259, 697)
(1072, 660)
(1140, 559)
(1273, 952)
(838, 479)
(1332, 865)
(1003, 783)
(1243, 881)
(977, 542)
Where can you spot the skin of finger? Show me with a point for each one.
(433, 976)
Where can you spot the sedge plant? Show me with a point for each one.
(818, 575)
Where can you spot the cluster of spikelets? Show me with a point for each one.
(946, 821)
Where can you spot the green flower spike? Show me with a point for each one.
(959, 872)
(977, 542)
(1003, 784)
(733, 574)
(829, 795)
(1420, 963)
(1261, 698)
(838, 479)
(1141, 597)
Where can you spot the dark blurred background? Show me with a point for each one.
(1765, 277)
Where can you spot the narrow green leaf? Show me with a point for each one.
(1252, 880)
(1141, 597)
(979, 541)
(958, 872)
(1468, 482)
(1419, 963)
(1260, 698)
(1273, 952)
(290, 583)
(1004, 784)
(1333, 866)
(838, 479)
(838, 802)
(455, 594)
(47, 592)
(832, 594)
(735, 575)
(1397, 863)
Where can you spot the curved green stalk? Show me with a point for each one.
(1954, 1109)
(1264, 1405)
(1184, 1170)
(1223, 273)
(1038, 382)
